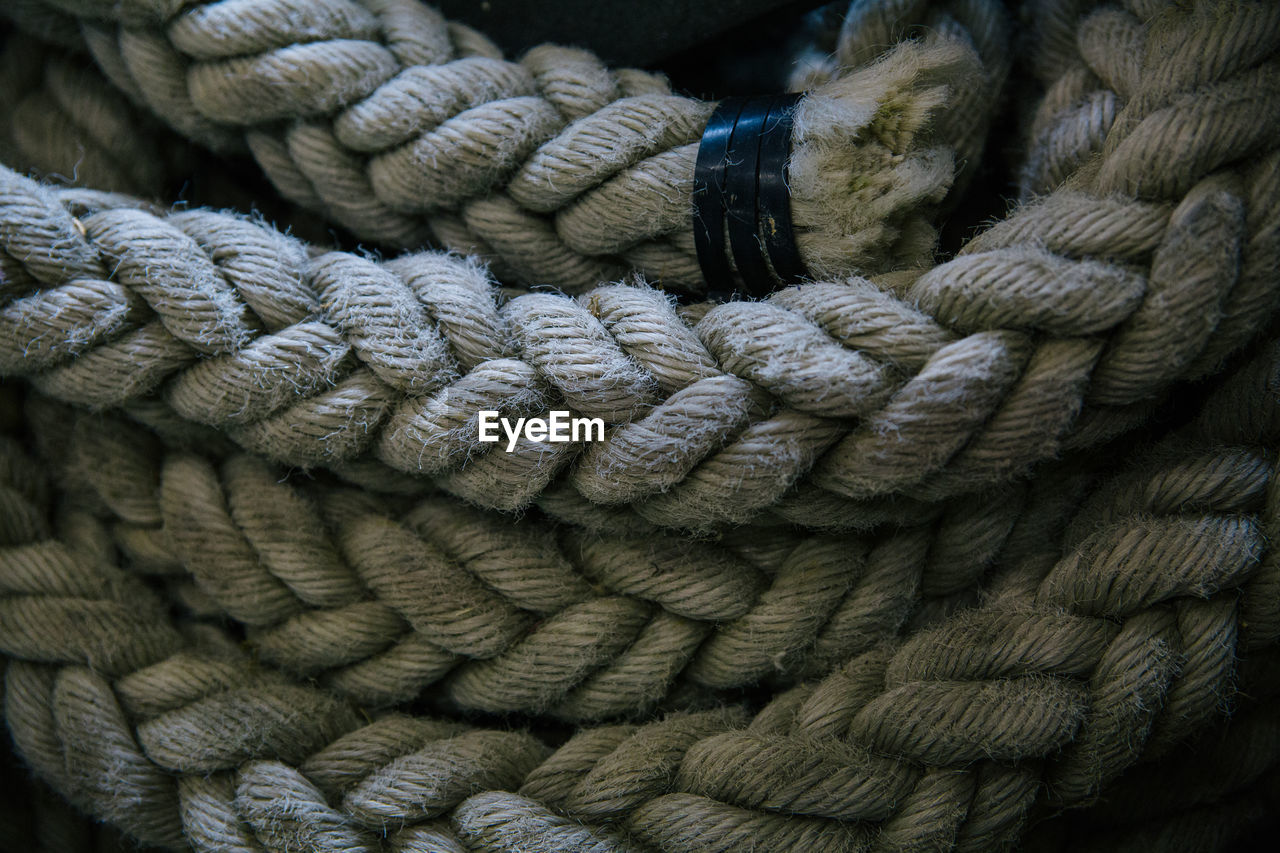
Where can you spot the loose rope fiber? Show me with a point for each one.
(863, 31)
(1161, 612)
(1058, 327)
(921, 554)
(338, 587)
(844, 388)
(397, 124)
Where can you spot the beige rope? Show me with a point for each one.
(388, 120)
(1056, 328)
(340, 587)
(315, 360)
(201, 647)
(948, 737)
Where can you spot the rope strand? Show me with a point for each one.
(858, 394)
(394, 123)
(949, 736)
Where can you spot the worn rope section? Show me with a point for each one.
(337, 586)
(864, 29)
(1056, 328)
(1075, 671)
(396, 124)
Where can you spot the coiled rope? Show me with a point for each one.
(337, 586)
(973, 664)
(1056, 328)
(843, 387)
(60, 120)
(397, 124)
(1161, 610)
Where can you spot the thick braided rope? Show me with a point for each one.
(62, 123)
(1119, 651)
(336, 586)
(271, 807)
(1089, 58)
(33, 817)
(1057, 327)
(394, 123)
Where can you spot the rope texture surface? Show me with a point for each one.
(399, 125)
(944, 593)
(1160, 612)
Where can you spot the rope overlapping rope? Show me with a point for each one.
(61, 121)
(338, 586)
(974, 663)
(1146, 628)
(396, 124)
(1057, 327)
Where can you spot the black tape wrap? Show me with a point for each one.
(740, 186)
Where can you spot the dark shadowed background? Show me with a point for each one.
(698, 44)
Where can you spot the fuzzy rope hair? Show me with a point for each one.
(396, 124)
(1078, 652)
(337, 585)
(1058, 327)
(1160, 612)
(813, 405)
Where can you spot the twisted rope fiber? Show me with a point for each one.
(1088, 58)
(314, 360)
(335, 587)
(1131, 642)
(33, 817)
(61, 121)
(964, 418)
(388, 120)
(1171, 685)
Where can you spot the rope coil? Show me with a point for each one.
(906, 557)
(1057, 328)
(869, 757)
(396, 124)
(857, 394)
